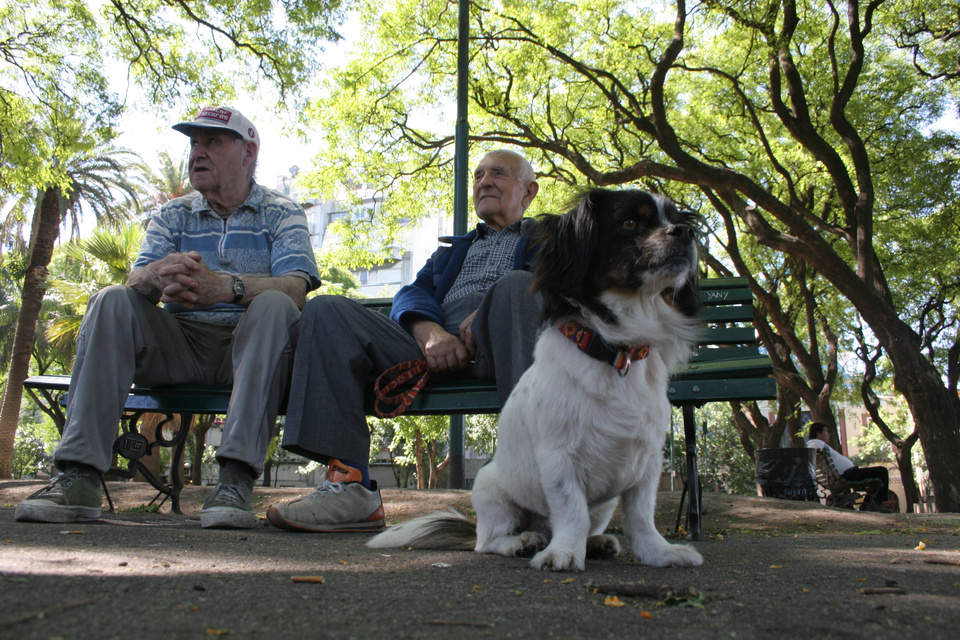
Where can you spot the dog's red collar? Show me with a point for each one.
(595, 346)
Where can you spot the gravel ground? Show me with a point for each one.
(772, 569)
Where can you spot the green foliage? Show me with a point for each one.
(85, 266)
(35, 442)
(570, 84)
(205, 50)
(143, 508)
(873, 446)
(336, 281)
(55, 56)
(51, 79)
(396, 437)
(481, 433)
(803, 132)
(724, 466)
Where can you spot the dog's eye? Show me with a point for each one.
(630, 224)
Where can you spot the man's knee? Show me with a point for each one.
(513, 296)
(112, 303)
(273, 303)
(113, 294)
(321, 308)
(515, 282)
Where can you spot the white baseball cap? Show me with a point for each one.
(223, 117)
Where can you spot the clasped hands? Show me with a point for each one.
(184, 279)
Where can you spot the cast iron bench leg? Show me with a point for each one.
(693, 479)
(132, 445)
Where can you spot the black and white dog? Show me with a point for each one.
(585, 425)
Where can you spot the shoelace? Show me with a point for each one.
(229, 493)
(326, 485)
(59, 484)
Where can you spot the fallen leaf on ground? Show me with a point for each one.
(613, 601)
(313, 579)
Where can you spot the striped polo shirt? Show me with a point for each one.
(266, 236)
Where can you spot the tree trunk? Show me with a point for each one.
(436, 468)
(46, 230)
(49, 403)
(911, 491)
(418, 457)
(902, 447)
(936, 411)
(200, 442)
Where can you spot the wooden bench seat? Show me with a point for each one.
(728, 365)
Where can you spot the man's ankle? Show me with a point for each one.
(84, 470)
(239, 470)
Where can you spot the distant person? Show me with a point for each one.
(469, 312)
(232, 265)
(819, 438)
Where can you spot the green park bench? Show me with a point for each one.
(727, 365)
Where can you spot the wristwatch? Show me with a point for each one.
(238, 290)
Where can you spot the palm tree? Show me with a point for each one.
(171, 181)
(103, 259)
(96, 182)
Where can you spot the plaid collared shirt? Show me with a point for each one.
(490, 256)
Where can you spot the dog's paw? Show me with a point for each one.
(530, 542)
(523, 545)
(603, 547)
(553, 559)
(671, 555)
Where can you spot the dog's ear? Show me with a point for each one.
(686, 299)
(567, 245)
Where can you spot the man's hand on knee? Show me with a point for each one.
(444, 352)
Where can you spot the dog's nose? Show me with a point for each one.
(682, 232)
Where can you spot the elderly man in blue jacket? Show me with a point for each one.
(470, 312)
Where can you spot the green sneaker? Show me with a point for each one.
(229, 505)
(70, 497)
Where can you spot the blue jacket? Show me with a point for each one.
(422, 298)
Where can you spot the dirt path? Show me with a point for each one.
(772, 569)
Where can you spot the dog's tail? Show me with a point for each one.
(445, 529)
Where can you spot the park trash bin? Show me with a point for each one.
(787, 473)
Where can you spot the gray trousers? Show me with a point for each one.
(125, 339)
(344, 347)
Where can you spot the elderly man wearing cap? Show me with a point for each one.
(232, 265)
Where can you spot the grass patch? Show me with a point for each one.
(143, 508)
